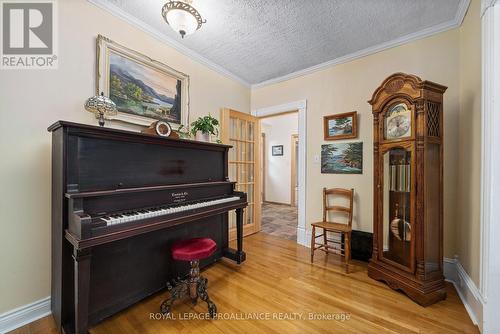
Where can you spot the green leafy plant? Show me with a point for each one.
(183, 132)
(206, 124)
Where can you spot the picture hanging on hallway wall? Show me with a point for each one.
(277, 150)
(342, 158)
(143, 89)
(341, 126)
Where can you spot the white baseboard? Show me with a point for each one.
(24, 315)
(466, 289)
(304, 237)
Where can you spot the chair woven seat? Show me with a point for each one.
(332, 226)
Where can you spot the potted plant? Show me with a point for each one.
(204, 127)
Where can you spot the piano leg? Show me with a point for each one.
(239, 234)
(237, 255)
(82, 279)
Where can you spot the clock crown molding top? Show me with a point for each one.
(403, 84)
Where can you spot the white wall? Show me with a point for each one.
(30, 100)
(279, 131)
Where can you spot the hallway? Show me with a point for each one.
(279, 220)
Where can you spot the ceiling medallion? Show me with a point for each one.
(182, 17)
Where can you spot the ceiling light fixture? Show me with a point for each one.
(182, 17)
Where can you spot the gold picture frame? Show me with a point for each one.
(341, 126)
(144, 90)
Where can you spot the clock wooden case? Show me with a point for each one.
(408, 187)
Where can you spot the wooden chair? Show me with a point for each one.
(344, 229)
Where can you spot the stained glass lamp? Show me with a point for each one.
(101, 105)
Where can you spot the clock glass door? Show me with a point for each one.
(397, 207)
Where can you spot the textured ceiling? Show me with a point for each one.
(259, 40)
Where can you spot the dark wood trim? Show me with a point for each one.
(81, 194)
(128, 133)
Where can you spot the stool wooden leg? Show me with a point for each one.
(176, 292)
(203, 294)
(194, 277)
(313, 242)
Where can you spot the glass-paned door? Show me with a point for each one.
(242, 131)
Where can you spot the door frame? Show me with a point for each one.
(293, 165)
(301, 107)
(263, 163)
(490, 169)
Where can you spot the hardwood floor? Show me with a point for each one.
(278, 280)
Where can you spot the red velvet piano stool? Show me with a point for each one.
(192, 250)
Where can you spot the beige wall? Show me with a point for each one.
(469, 154)
(347, 87)
(32, 100)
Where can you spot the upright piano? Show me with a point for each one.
(119, 201)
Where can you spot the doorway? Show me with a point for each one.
(303, 238)
(279, 176)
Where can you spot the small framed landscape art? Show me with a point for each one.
(144, 90)
(341, 126)
(342, 158)
(277, 150)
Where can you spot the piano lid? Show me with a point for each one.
(100, 158)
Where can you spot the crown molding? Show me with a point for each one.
(445, 26)
(442, 27)
(118, 12)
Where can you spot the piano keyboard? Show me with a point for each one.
(161, 211)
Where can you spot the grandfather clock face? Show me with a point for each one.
(398, 122)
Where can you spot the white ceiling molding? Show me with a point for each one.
(455, 22)
(452, 24)
(113, 9)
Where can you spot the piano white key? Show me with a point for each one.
(161, 212)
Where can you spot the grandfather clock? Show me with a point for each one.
(408, 187)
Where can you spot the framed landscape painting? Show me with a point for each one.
(143, 89)
(341, 126)
(344, 158)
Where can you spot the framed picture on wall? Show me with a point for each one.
(143, 89)
(341, 126)
(342, 158)
(277, 150)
